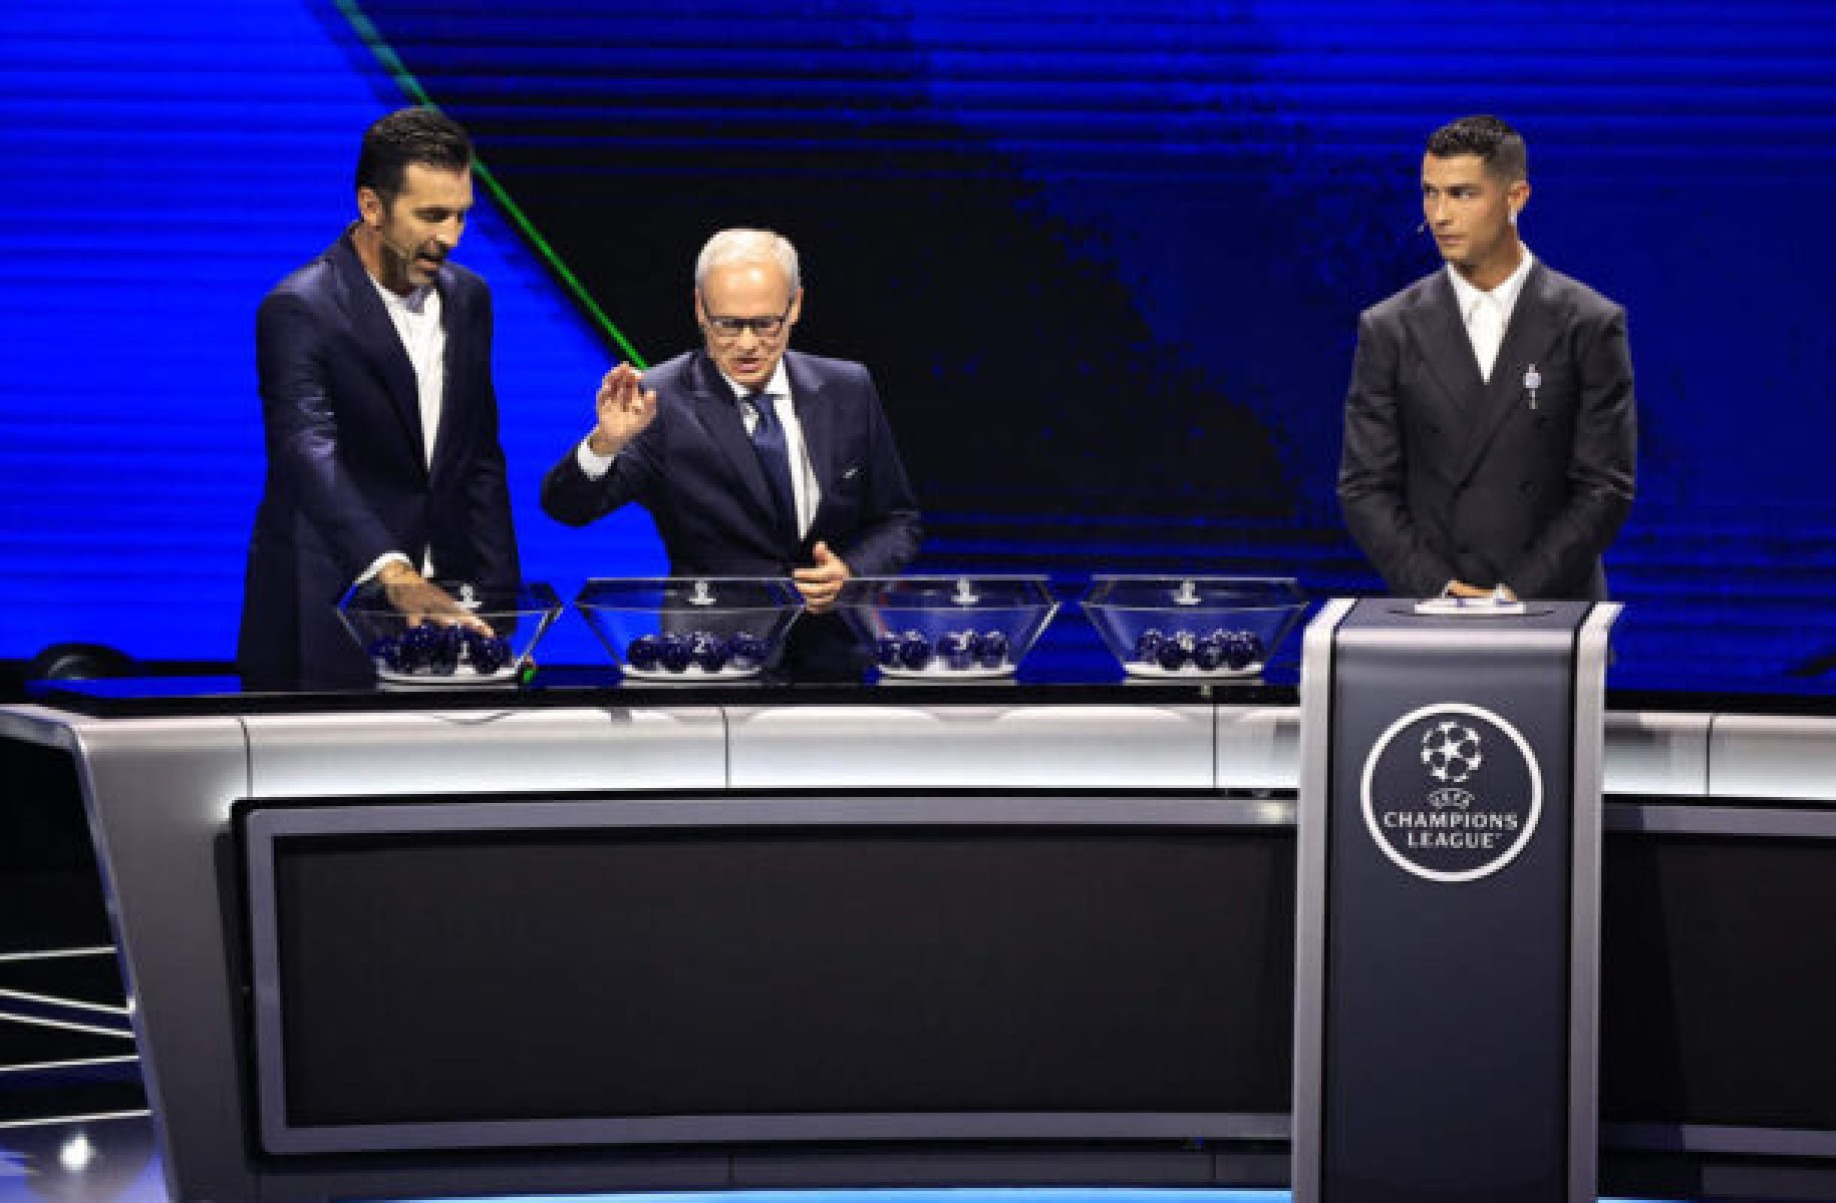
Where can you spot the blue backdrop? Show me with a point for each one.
(1105, 260)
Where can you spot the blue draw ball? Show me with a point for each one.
(387, 653)
(678, 653)
(889, 651)
(708, 651)
(1172, 655)
(914, 650)
(958, 649)
(420, 646)
(489, 654)
(992, 649)
(449, 644)
(1148, 644)
(645, 653)
(745, 650)
(1209, 654)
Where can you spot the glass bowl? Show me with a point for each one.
(490, 646)
(1193, 627)
(947, 628)
(690, 628)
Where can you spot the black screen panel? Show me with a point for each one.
(583, 973)
(1717, 981)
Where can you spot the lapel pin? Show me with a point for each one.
(1532, 382)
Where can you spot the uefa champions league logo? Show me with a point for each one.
(1451, 792)
(1451, 751)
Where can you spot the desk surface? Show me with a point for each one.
(1048, 684)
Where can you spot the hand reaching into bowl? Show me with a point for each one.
(422, 601)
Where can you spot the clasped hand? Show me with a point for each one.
(821, 582)
(1462, 589)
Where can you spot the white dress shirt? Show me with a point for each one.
(416, 318)
(807, 492)
(1487, 314)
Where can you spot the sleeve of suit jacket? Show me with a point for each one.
(569, 495)
(1601, 463)
(292, 346)
(1373, 469)
(887, 540)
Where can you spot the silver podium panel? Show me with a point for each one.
(915, 746)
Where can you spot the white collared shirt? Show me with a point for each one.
(416, 318)
(1502, 300)
(807, 492)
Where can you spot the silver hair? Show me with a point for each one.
(748, 246)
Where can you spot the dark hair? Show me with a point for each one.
(1498, 146)
(413, 135)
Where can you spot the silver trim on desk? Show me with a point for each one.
(1315, 778)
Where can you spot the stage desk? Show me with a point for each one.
(590, 937)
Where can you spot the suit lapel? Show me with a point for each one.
(376, 338)
(719, 415)
(1531, 332)
(455, 319)
(815, 414)
(1445, 349)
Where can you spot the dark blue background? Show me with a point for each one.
(1105, 260)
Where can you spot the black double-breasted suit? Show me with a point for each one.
(1521, 481)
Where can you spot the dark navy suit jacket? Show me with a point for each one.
(694, 468)
(348, 479)
(1445, 476)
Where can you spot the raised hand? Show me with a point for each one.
(624, 410)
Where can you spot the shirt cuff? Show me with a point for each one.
(386, 558)
(593, 464)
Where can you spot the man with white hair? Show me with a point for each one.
(755, 460)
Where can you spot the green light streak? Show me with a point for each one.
(404, 78)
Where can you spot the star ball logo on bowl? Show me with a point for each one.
(1451, 792)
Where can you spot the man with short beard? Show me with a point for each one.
(384, 462)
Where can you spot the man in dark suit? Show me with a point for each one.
(754, 460)
(1490, 430)
(381, 419)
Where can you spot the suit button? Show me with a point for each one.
(1529, 486)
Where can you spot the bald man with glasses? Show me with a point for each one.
(754, 460)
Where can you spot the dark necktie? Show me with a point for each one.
(774, 457)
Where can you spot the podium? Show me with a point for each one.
(1448, 904)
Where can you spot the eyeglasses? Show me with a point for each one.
(727, 328)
